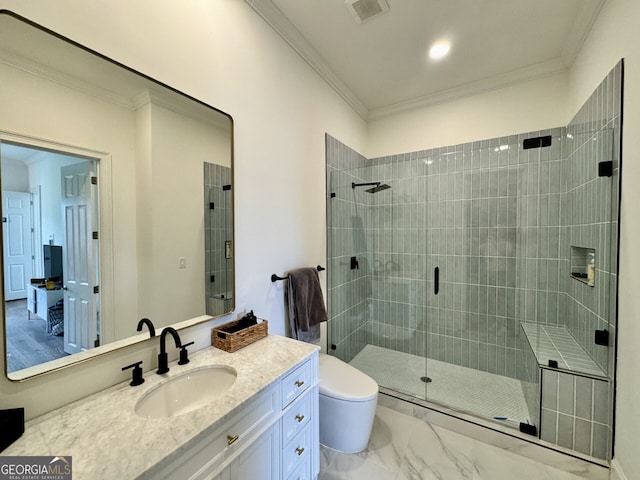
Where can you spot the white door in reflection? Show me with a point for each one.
(16, 224)
(81, 330)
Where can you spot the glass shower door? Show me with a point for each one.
(472, 200)
(374, 253)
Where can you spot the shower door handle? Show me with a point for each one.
(436, 280)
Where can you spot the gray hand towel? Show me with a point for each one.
(305, 304)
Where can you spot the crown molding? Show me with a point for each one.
(522, 75)
(281, 24)
(276, 20)
(579, 32)
(61, 78)
(183, 105)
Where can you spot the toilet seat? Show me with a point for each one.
(341, 381)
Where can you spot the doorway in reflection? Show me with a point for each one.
(50, 251)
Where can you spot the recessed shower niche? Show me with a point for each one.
(583, 265)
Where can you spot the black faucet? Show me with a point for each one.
(163, 360)
(147, 322)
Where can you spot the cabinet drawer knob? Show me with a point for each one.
(299, 418)
(232, 439)
(299, 450)
(299, 383)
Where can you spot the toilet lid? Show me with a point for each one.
(342, 381)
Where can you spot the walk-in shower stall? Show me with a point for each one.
(482, 277)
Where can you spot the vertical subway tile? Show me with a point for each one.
(601, 401)
(549, 389)
(566, 393)
(584, 395)
(549, 426)
(565, 430)
(582, 436)
(600, 446)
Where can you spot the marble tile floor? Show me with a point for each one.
(406, 448)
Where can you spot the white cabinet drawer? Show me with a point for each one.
(297, 452)
(302, 472)
(296, 382)
(296, 417)
(232, 434)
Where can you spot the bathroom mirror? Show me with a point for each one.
(142, 240)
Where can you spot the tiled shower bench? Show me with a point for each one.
(552, 390)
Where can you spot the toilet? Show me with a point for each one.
(348, 401)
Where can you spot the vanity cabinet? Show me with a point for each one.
(299, 423)
(265, 426)
(272, 436)
(260, 459)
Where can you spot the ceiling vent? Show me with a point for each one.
(364, 10)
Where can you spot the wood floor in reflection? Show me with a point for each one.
(28, 342)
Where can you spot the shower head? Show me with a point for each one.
(377, 186)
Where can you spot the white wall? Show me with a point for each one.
(525, 107)
(15, 176)
(616, 35)
(179, 147)
(223, 54)
(45, 173)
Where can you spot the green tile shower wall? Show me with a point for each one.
(575, 413)
(591, 213)
(216, 224)
(497, 220)
(469, 210)
(347, 289)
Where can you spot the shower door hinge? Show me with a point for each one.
(333, 347)
(96, 342)
(212, 278)
(94, 180)
(333, 195)
(605, 169)
(94, 235)
(528, 429)
(212, 206)
(601, 337)
(96, 289)
(226, 188)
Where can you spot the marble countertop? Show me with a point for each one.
(105, 437)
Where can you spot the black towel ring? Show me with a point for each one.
(275, 278)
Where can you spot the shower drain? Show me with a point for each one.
(426, 379)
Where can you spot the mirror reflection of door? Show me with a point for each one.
(80, 273)
(16, 237)
(50, 208)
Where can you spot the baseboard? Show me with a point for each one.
(616, 471)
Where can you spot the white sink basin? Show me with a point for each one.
(186, 392)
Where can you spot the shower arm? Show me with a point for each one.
(375, 184)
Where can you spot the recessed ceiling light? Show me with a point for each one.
(439, 50)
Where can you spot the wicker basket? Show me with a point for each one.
(55, 319)
(230, 342)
